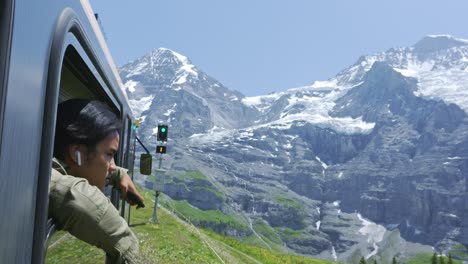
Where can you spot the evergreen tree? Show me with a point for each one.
(362, 261)
(450, 260)
(375, 261)
(434, 258)
(394, 260)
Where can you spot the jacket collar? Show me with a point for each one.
(60, 166)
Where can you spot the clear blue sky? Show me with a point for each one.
(261, 46)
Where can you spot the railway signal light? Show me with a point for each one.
(161, 149)
(162, 132)
(136, 125)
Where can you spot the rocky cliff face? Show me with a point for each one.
(411, 154)
(384, 141)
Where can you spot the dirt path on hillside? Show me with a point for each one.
(218, 247)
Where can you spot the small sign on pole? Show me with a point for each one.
(161, 149)
(158, 187)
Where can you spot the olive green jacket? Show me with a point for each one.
(85, 212)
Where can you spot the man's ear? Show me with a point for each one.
(75, 153)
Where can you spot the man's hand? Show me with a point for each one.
(126, 184)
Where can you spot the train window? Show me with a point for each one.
(78, 68)
(76, 80)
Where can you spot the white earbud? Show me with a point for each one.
(78, 157)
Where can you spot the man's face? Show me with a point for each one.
(98, 164)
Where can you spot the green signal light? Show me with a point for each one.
(162, 132)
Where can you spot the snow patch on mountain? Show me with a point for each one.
(130, 85)
(310, 104)
(184, 73)
(324, 165)
(137, 70)
(346, 125)
(262, 102)
(171, 110)
(155, 131)
(185, 69)
(213, 135)
(139, 106)
(317, 85)
(449, 85)
(374, 232)
(447, 36)
(334, 255)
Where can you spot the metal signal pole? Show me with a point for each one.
(162, 136)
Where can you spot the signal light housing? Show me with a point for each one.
(162, 132)
(136, 125)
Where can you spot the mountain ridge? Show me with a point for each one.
(383, 138)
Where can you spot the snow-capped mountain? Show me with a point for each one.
(439, 63)
(165, 87)
(384, 140)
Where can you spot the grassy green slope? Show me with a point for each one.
(171, 241)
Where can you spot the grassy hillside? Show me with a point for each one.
(172, 241)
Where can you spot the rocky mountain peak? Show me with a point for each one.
(434, 43)
(439, 64)
(381, 74)
(164, 86)
(383, 90)
(162, 57)
(170, 54)
(160, 67)
(381, 69)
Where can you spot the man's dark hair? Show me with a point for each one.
(81, 121)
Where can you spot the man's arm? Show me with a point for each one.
(120, 179)
(85, 212)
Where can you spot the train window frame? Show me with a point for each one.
(69, 34)
(84, 66)
(6, 28)
(124, 138)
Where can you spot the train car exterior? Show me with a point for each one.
(50, 51)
